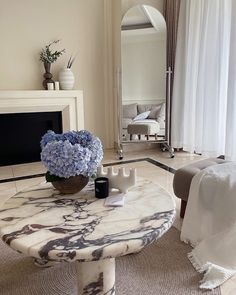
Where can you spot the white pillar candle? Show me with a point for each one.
(50, 86)
(57, 85)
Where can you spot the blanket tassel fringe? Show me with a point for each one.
(214, 275)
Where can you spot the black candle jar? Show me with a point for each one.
(101, 187)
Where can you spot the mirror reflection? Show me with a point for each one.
(143, 49)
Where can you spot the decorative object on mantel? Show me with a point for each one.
(47, 75)
(57, 85)
(48, 57)
(119, 180)
(66, 76)
(71, 158)
(50, 86)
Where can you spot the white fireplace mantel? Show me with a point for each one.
(70, 103)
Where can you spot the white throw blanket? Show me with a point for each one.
(210, 224)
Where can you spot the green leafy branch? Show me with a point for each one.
(46, 55)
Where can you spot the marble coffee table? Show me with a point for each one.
(51, 228)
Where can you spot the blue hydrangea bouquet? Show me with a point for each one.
(71, 156)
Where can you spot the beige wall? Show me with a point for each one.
(143, 59)
(27, 25)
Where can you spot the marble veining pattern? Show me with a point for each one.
(95, 286)
(96, 277)
(51, 227)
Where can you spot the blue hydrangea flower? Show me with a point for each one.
(48, 137)
(85, 138)
(72, 136)
(71, 153)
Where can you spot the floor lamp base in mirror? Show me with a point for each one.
(120, 153)
(167, 147)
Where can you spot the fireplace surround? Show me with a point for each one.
(69, 104)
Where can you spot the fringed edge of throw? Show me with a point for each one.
(214, 275)
(188, 242)
(195, 262)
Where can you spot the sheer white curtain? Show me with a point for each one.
(201, 93)
(230, 148)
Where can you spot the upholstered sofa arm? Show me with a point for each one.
(183, 176)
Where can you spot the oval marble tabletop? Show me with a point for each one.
(43, 224)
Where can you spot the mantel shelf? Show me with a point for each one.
(39, 93)
(69, 102)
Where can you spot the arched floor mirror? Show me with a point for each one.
(144, 104)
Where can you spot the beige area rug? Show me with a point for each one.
(161, 268)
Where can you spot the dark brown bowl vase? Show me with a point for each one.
(71, 185)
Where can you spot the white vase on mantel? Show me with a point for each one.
(66, 79)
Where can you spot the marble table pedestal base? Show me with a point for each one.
(96, 277)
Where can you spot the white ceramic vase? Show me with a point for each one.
(66, 79)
